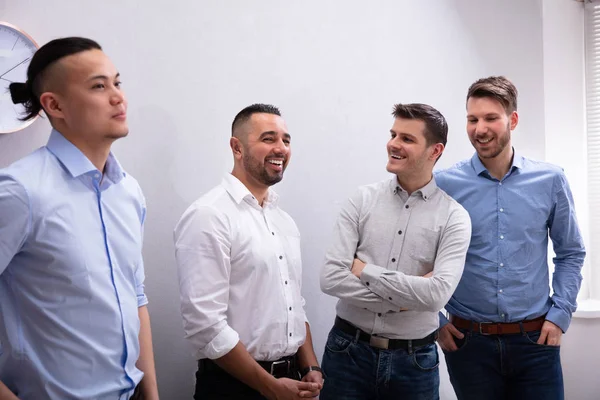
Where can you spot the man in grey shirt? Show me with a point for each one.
(397, 255)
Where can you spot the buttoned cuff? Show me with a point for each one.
(559, 317)
(222, 344)
(371, 276)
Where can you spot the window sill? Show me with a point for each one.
(587, 309)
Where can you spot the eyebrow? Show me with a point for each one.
(493, 114)
(403, 133)
(273, 133)
(103, 77)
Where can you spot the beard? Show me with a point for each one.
(503, 141)
(258, 171)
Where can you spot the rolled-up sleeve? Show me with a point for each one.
(202, 250)
(15, 219)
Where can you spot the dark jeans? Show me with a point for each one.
(215, 383)
(356, 371)
(137, 394)
(505, 367)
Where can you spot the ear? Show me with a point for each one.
(52, 105)
(236, 147)
(438, 149)
(514, 120)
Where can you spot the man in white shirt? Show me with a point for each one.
(240, 273)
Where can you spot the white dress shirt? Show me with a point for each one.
(240, 274)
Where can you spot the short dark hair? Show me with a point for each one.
(499, 88)
(29, 93)
(436, 127)
(244, 115)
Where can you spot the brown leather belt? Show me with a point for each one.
(499, 328)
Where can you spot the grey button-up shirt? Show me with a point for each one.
(401, 238)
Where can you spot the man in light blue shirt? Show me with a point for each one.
(502, 341)
(73, 316)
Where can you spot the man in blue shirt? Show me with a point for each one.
(73, 316)
(503, 338)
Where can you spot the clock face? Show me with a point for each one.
(16, 50)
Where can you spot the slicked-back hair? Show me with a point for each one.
(29, 93)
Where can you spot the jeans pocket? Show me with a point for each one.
(426, 358)
(336, 343)
(460, 343)
(533, 337)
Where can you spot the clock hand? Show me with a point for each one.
(25, 60)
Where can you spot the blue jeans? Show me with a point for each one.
(356, 371)
(499, 367)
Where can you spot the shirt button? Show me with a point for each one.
(273, 233)
(502, 264)
(502, 315)
(500, 183)
(502, 210)
(500, 291)
(389, 298)
(406, 206)
(399, 232)
(290, 334)
(286, 282)
(501, 236)
(393, 260)
(379, 314)
(290, 308)
(281, 257)
(367, 283)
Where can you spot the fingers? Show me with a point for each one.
(308, 395)
(428, 275)
(455, 332)
(446, 340)
(307, 386)
(543, 336)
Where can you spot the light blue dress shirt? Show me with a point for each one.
(506, 277)
(71, 276)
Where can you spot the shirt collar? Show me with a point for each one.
(478, 166)
(239, 192)
(426, 191)
(76, 163)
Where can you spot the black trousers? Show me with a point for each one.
(215, 384)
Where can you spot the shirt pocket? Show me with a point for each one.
(422, 244)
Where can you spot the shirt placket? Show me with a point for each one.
(283, 267)
(502, 243)
(97, 180)
(404, 214)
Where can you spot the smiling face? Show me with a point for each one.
(409, 155)
(489, 127)
(266, 149)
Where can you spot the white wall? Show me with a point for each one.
(334, 68)
(564, 87)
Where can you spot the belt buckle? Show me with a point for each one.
(484, 323)
(379, 342)
(280, 362)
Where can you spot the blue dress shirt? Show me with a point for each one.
(506, 277)
(71, 276)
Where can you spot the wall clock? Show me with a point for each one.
(16, 50)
